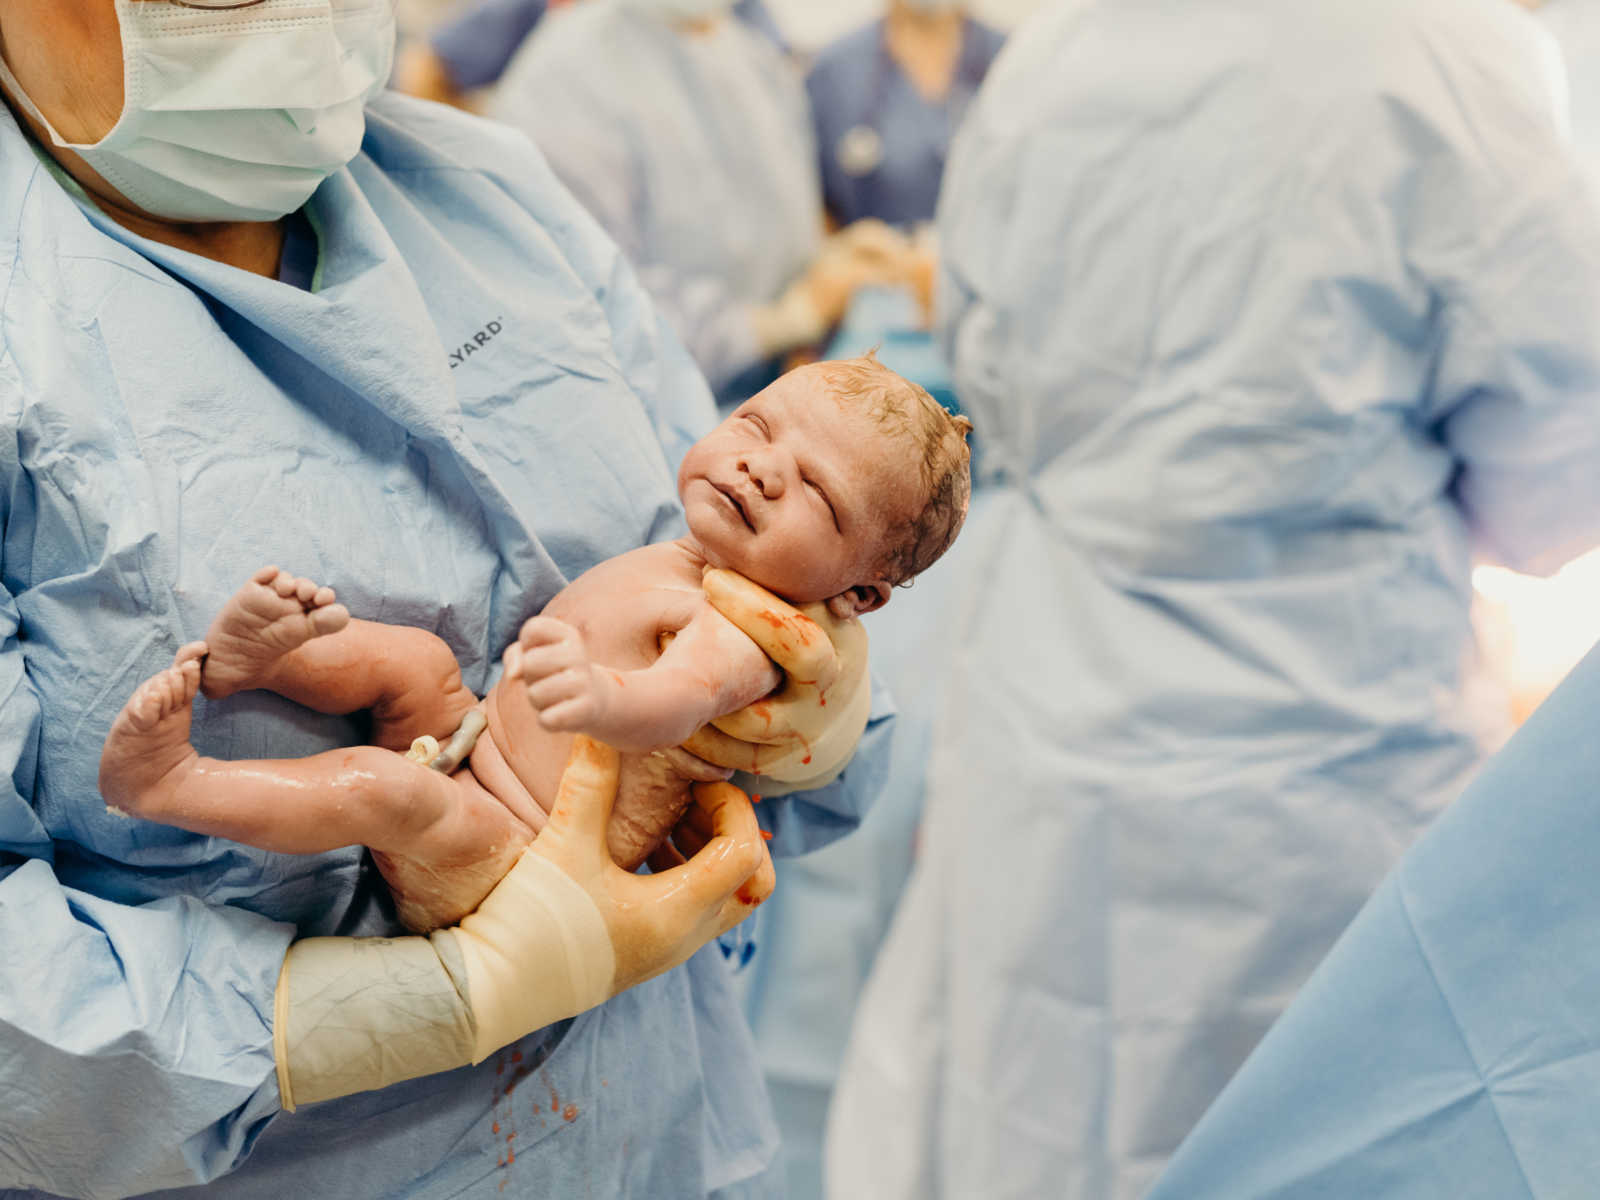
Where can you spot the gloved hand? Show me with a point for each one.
(801, 736)
(869, 238)
(816, 302)
(565, 930)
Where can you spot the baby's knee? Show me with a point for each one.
(429, 659)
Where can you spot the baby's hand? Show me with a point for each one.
(564, 687)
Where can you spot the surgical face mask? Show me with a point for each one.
(237, 114)
(680, 10)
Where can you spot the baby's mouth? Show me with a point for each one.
(738, 504)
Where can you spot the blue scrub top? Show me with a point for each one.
(882, 143)
(477, 45)
(470, 401)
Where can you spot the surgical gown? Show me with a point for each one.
(1268, 313)
(467, 409)
(882, 143)
(1576, 26)
(475, 45)
(694, 151)
(1449, 1046)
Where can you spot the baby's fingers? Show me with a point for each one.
(546, 690)
(544, 631)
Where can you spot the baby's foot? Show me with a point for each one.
(273, 614)
(150, 737)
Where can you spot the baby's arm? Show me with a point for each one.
(709, 668)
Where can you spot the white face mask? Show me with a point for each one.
(237, 115)
(680, 10)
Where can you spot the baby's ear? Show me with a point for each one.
(863, 598)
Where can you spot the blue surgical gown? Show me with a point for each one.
(476, 45)
(1268, 313)
(694, 151)
(1449, 1045)
(469, 408)
(882, 144)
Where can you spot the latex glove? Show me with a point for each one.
(869, 238)
(565, 930)
(801, 736)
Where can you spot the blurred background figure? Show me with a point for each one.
(1269, 314)
(687, 135)
(458, 54)
(1535, 630)
(1576, 26)
(885, 101)
(456, 57)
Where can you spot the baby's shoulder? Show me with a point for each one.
(669, 565)
(633, 597)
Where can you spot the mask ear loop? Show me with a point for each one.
(105, 170)
(21, 97)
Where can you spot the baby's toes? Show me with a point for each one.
(188, 672)
(189, 652)
(285, 584)
(330, 619)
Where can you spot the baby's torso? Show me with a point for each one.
(624, 607)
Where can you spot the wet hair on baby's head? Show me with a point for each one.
(902, 407)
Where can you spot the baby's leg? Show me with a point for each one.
(360, 795)
(286, 635)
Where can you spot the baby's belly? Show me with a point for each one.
(650, 797)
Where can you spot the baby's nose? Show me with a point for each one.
(765, 473)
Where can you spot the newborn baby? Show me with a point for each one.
(829, 487)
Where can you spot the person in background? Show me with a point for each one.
(1270, 314)
(885, 101)
(688, 137)
(243, 307)
(471, 49)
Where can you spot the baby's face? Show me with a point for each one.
(796, 491)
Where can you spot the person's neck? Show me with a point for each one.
(915, 22)
(927, 45)
(254, 246)
(694, 552)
